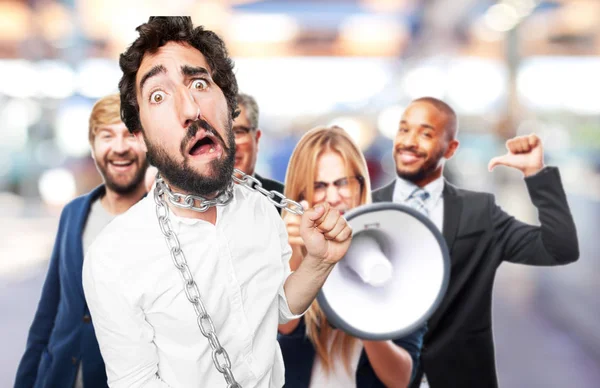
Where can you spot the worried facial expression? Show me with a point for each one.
(334, 184)
(186, 123)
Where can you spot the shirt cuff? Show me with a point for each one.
(285, 314)
(542, 171)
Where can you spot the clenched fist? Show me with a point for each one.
(325, 233)
(525, 153)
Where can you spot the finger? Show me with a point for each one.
(292, 220)
(296, 241)
(507, 160)
(345, 234)
(313, 217)
(514, 145)
(497, 161)
(533, 140)
(337, 228)
(293, 230)
(304, 204)
(328, 223)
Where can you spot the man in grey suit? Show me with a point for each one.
(458, 349)
(247, 135)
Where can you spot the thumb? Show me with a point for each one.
(508, 160)
(495, 162)
(312, 216)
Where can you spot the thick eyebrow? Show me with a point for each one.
(422, 125)
(191, 71)
(153, 72)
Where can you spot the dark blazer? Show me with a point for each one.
(299, 355)
(61, 335)
(269, 184)
(458, 348)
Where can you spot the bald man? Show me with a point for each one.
(458, 349)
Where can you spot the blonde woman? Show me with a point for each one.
(327, 166)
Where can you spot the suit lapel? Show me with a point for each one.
(453, 205)
(385, 194)
(77, 234)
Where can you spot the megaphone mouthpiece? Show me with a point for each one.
(368, 261)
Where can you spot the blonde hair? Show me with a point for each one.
(299, 179)
(106, 111)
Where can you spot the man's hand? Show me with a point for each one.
(326, 234)
(525, 153)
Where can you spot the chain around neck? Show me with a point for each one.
(193, 202)
(189, 201)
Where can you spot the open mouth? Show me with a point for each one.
(204, 145)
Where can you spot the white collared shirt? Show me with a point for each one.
(145, 325)
(434, 204)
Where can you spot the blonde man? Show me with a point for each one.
(61, 349)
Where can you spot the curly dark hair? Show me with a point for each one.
(158, 31)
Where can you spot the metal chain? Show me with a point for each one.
(253, 184)
(205, 323)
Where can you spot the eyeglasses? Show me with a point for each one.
(346, 187)
(241, 132)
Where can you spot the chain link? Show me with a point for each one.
(253, 184)
(205, 323)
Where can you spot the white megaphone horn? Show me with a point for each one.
(393, 276)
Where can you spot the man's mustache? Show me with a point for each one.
(193, 129)
(411, 149)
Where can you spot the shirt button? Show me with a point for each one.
(87, 318)
(74, 360)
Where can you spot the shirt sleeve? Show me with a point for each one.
(285, 314)
(124, 335)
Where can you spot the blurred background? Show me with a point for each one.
(508, 67)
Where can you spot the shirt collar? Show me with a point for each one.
(404, 188)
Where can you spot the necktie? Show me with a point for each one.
(417, 201)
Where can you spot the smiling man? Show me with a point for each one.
(458, 348)
(183, 295)
(62, 350)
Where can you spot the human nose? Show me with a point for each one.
(333, 195)
(120, 144)
(189, 111)
(409, 139)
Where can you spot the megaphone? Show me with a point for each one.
(393, 276)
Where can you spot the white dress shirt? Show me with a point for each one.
(434, 204)
(145, 325)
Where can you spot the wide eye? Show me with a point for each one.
(199, 84)
(157, 97)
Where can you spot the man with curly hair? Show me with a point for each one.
(188, 287)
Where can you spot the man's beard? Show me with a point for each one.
(431, 164)
(131, 185)
(183, 176)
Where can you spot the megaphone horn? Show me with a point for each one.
(393, 276)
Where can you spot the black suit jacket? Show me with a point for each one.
(269, 184)
(458, 349)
